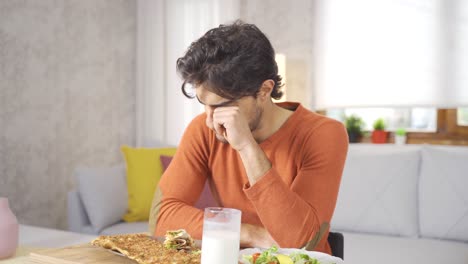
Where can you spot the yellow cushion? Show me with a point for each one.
(144, 169)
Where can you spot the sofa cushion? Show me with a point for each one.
(165, 161)
(88, 229)
(370, 249)
(443, 195)
(104, 194)
(34, 237)
(126, 228)
(378, 192)
(144, 169)
(206, 197)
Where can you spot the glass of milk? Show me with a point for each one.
(221, 236)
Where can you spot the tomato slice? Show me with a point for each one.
(255, 257)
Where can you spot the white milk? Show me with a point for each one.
(220, 247)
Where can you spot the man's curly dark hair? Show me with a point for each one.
(232, 61)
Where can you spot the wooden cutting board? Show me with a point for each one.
(82, 254)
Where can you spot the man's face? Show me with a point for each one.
(248, 106)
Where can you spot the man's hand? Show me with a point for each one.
(229, 122)
(255, 236)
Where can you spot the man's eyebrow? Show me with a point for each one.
(216, 105)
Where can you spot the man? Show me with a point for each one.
(280, 164)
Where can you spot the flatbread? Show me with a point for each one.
(146, 250)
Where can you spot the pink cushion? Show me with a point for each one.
(165, 160)
(206, 198)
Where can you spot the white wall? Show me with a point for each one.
(67, 97)
(290, 27)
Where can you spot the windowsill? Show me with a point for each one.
(427, 138)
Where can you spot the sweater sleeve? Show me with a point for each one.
(182, 184)
(297, 214)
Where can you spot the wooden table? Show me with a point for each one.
(33, 239)
(86, 254)
(21, 255)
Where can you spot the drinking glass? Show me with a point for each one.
(221, 236)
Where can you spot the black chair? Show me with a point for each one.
(336, 241)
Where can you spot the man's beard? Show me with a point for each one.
(253, 125)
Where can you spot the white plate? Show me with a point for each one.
(321, 257)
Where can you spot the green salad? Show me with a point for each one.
(271, 256)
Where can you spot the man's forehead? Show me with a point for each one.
(207, 97)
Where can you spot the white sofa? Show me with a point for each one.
(40, 237)
(100, 201)
(404, 204)
(397, 204)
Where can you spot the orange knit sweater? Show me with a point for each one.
(294, 200)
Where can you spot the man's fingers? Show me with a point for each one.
(229, 123)
(218, 127)
(225, 117)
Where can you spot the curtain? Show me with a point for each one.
(165, 30)
(460, 53)
(390, 53)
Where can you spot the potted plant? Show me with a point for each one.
(379, 135)
(354, 126)
(400, 136)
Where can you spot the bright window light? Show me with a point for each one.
(462, 116)
(411, 119)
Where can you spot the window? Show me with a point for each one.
(462, 116)
(375, 66)
(382, 53)
(412, 119)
